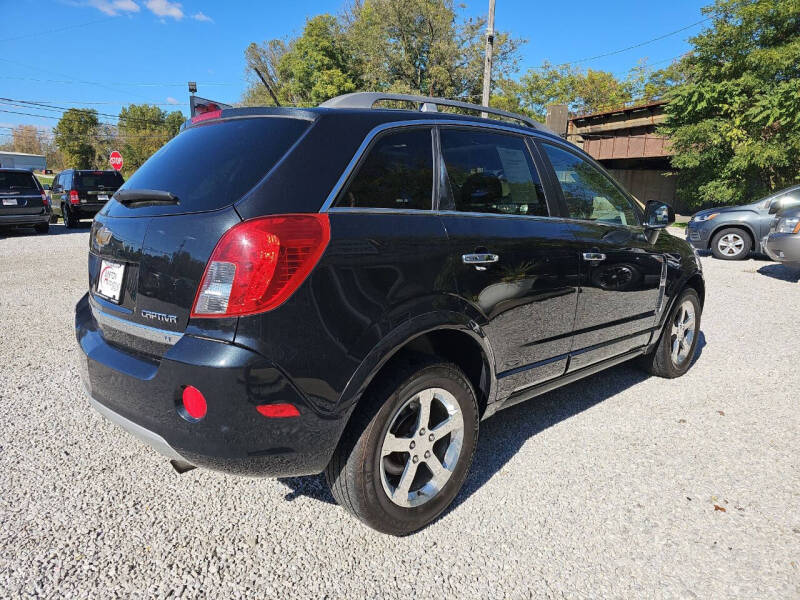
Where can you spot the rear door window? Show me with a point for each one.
(214, 165)
(492, 173)
(17, 182)
(90, 180)
(396, 173)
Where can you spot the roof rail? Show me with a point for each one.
(425, 103)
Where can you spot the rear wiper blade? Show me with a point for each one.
(145, 197)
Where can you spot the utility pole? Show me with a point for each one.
(487, 67)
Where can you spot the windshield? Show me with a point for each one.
(16, 182)
(98, 179)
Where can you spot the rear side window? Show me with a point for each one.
(89, 180)
(397, 173)
(15, 181)
(588, 192)
(214, 165)
(492, 173)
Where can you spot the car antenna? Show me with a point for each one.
(266, 85)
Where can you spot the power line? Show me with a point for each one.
(48, 31)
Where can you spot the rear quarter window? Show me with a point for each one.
(213, 165)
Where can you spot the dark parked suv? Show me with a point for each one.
(23, 201)
(79, 194)
(352, 290)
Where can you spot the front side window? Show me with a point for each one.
(588, 192)
(492, 173)
(397, 173)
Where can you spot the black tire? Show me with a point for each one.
(660, 361)
(736, 240)
(42, 228)
(53, 218)
(355, 472)
(70, 222)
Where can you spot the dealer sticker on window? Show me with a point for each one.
(109, 284)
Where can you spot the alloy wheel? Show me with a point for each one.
(683, 332)
(731, 244)
(421, 447)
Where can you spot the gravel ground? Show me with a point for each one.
(618, 486)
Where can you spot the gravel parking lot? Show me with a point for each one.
(617, 486)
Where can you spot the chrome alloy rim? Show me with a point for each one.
(683, 333)
(421, 447)
(731, 244)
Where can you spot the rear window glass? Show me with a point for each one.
(212, 166)
(11, 181)
(95, 179)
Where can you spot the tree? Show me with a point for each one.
(143, 129)
(74, 136)
(734, 123)
(27, 138)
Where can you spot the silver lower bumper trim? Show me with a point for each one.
(146, 332)
(150, 438)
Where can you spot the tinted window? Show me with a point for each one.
(89, 180)
(589, 192)
(15, 181)
(492, 173)
(214, 165)
(397, 173)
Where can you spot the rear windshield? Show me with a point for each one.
(12, 181)
(94, 179)
(214, 165)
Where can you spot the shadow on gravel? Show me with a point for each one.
(782, 272)
(503, 435)
(55, 229)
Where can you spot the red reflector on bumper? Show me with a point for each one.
(194, 403)
(278, 411)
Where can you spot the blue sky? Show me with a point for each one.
(114, 52)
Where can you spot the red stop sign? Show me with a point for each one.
(116, 160)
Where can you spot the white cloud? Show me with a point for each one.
(165, 8)
(171, 100)
(115, 7)
(200, 16)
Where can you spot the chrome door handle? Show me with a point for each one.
(594, 256)
(479, 259)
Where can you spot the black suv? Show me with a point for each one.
(80, 194)
(352, 290)
(23, 200)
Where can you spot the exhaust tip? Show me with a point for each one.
(181, 466)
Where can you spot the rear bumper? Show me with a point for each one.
(783, 247)
(85, 211)
(24, 220)
(142, 393)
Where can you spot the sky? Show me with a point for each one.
(108, 53)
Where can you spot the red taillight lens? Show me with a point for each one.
(73, 197)
(259, 263)
(278, 411)
(194, 403)
(45, 201)
(205, 116)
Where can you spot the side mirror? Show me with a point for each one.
(658, 215)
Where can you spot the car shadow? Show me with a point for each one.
(502, 436)
(55, 229)
(781, 271)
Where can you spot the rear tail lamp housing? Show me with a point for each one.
(45, 199)
(73, 197)
(258, 264)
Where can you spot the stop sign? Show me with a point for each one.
(116, 160)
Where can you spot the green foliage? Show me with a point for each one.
(734, 122)
(74, 136)
(143, 129)
(413, 46)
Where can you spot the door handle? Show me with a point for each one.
(479, 258)
(594, 256)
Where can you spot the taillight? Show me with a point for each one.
(205, 116)
(259, 263)
(44, 198)
(73, 197)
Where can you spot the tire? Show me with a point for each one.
(53, 218)
(365, 474)
(70, 222)
(42, 228)
(663, 360)
(731, 243)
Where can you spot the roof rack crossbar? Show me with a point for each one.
(424, 103)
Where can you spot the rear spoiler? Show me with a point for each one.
(200, 106)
